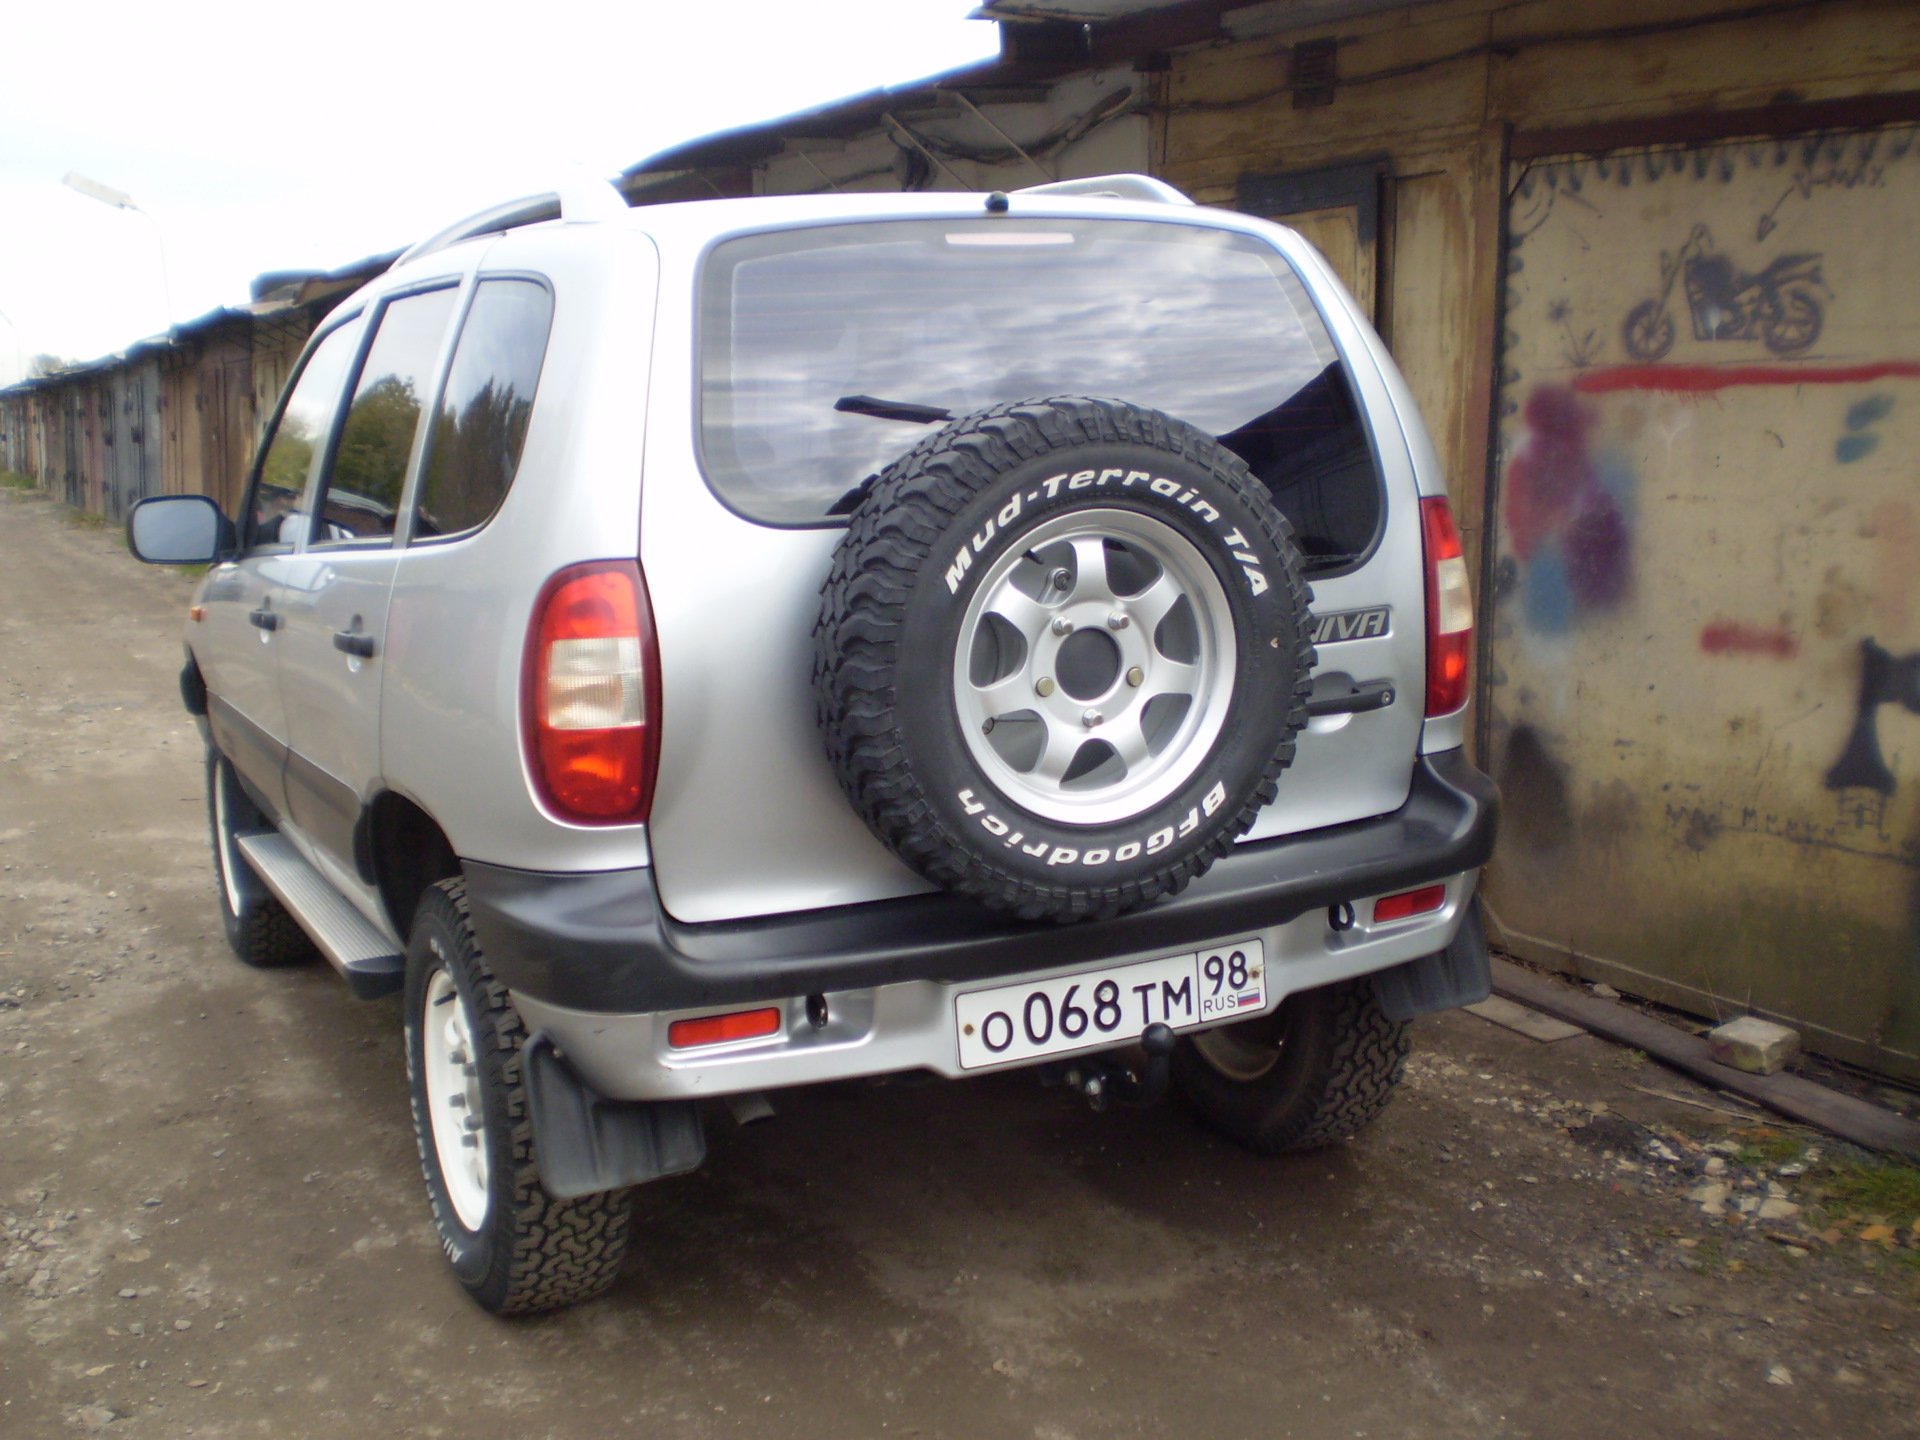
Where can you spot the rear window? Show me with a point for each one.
(826, 353)
(485, 407)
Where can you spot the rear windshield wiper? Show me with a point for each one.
(892, 409)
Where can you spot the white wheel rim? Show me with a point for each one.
(223, 837)
(1140, 755)
(453, 1099)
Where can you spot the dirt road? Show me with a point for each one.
(214, 1223)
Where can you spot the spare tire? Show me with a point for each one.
(1062, 656)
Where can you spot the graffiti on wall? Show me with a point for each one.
(1568, 504)
(1885, 679)
(1781, 306)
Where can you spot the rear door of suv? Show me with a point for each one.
(796, 330)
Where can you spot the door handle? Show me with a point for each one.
(1365, 695)
(352, 642)
(263, 619)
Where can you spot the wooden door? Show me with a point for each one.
(1337, 209)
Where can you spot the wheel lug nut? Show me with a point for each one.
(1091, 718)
(1062, 625)
(1043, 686)
(1118, 620)
(1136, 676)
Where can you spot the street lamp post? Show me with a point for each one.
(120, 200)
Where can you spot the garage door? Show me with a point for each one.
(1703, 665)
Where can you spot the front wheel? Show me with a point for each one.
(1648, 333)
(257, 925)
(515, 1248)
(1320, 1068)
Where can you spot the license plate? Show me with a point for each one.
(1109, 1007)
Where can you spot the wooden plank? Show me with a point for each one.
(1863, 112)
(1522, 1021)
(1789, 1095)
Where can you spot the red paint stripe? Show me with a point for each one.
(1730, 637)
(1705, 379)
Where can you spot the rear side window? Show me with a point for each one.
(361, 501)
(481, 423)
(293, 452)
(822, 348)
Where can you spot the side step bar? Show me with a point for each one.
(352, 944)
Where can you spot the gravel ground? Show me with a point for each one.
(212, 1221)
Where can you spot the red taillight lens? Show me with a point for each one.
(593, 694)
(1449, 609)
(1409, 902)
(716, 1029)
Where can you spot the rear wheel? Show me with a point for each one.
(515, 1248)
(258, 926)
(1794, 325)
(1320, 1068)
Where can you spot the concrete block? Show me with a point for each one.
(1757, 1046)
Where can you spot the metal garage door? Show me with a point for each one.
(1703, 669)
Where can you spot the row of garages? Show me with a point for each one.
(177, 414)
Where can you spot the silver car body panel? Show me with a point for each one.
(450, 724)
(912, 1026)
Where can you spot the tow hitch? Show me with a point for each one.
(1107, 1077)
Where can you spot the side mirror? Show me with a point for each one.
(178, 530)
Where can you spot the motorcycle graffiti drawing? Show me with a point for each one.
(1780, 306)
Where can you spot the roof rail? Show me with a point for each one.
(1113, 187)
(582, 197)
(496, 220)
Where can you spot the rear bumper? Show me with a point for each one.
(603, 943)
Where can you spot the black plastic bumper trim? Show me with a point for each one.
(603, 942)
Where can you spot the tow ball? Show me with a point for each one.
(1105, 1077)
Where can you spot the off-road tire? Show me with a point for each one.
(531, 1252)
(1339, 1058)
(891, 617)
(260, 930)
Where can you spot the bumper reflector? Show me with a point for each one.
(1408, 902)
(718, 1029)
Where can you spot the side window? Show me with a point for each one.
(293, 450)
(361, 498)
(481, 423)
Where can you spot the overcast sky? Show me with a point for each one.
(273, 137)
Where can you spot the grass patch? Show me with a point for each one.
(14, 480)
(85, 519)
(1874, 1188)
(1764, 1145)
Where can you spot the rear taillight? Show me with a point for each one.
(1449, 609)
(592, 694)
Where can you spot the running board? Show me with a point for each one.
(352, 944)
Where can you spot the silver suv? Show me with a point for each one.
(697, 650)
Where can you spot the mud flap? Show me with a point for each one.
(585, 1143)
(1459, 975)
